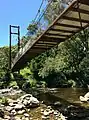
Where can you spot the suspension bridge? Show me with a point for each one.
(72, 20)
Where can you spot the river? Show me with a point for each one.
(60, 99)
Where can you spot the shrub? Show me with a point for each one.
(71, 83)
(13, 83)
(4, 100)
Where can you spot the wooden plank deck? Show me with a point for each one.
(72, 20)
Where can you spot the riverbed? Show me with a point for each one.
(58, 98)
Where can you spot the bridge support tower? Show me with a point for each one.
(10, 40)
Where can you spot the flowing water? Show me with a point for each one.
(70, 94)
(64, 95)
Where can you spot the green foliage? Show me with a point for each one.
(29, 79)
(55, 8)
(26, 73)
(65, 65)
(71, 83)
(52, 11)
(4, 100)
(32, 28)
(4, 59)
(12, 83)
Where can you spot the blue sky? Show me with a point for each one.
(16, 12)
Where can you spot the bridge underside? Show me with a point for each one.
(74, 19)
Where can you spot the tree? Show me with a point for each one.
(55, 8)
(32, 28)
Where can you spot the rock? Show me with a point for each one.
(58, 104)
(21, 112)
(51, 112)
(27, 98)
(1, 113)
(24, 96)
(28, 110)
(2, 118)
(42, 102)
(18, 118)
(12, 104)
(30, 102)
(62, 117)
(16, 87)
(25, 102)
(55, 112)
(86, 95)
(3, 91)
(46, 113)
(42, 110)
(34, 101)
(83, 99)
(19, 106)
(44, 118)
(48, 107)
(26, 115)
(23, 118)
(30, 118)
(13, 112)
(1, 105)
(6, 117)
(10, 100)
(9, 108)
(26, 118)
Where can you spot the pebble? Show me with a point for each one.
(28, 110)
(46, 113)
(49, 107)
(42, 110)
(26, 115)
(7, 117)
(44, 118)
(31, 118)
(55, 112)
(17, 118)
(8, 108)
(13, 112)
(21, 112)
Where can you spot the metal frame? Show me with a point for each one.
(10, 39)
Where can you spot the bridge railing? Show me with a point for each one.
(22, 51)
(43, 25)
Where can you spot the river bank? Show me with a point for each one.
(48, 104)
(17, 105)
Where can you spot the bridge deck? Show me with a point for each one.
(69, 22)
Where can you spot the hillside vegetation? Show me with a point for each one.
(67, 65)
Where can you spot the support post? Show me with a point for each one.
(10, 50)
(18, 38)
(10, 39)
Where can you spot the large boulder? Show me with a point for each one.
(3, 91)
(19, 106)
(28, 100)
(33, 102)
(86, 95)
(85, 98)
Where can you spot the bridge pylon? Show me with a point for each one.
(10, 40)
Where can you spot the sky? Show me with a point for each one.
(16, 12)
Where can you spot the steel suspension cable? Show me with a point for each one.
(38, 10)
